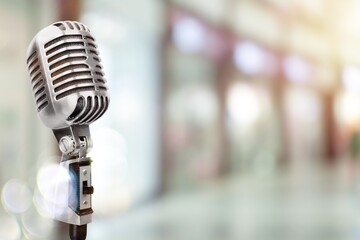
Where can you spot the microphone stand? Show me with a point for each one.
(74, 143)
(77, 232)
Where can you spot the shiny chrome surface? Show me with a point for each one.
(67, 76)
(70, 93)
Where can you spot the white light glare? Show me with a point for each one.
(351, 78)
(243, 104)
(250, 58)
(53, 182)
(16, 196)
(297, 69)
(348, 109)
(189, 35)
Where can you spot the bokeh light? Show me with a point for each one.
(250, 58)
(16, 196)
(347, 108)
(297, 69)
(36, 227)
(350, 78)
(109, 172)
(53, 182)
(243, 104)
(189, 35)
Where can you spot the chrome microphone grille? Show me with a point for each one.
(66, 55)
(37, 82)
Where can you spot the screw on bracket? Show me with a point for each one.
(67, 145)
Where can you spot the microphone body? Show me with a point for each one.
(70, 93)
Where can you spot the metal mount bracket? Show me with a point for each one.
(75, 143)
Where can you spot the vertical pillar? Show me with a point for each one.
(69, 9)
(329, 128)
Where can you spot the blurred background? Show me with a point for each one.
(229, 119)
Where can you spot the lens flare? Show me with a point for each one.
(16, 196)
(35, 226)
(53, 187)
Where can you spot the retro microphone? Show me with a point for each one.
(70, 93)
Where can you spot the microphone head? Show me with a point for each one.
(66, 75)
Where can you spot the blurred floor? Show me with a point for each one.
(312, 203)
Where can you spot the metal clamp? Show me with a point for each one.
(75, 143)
